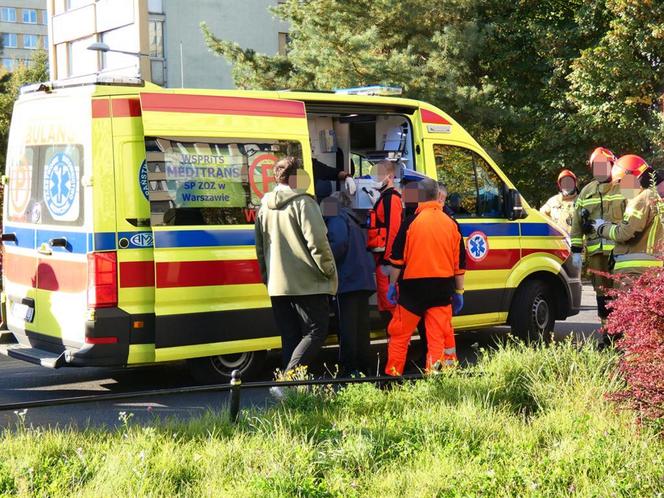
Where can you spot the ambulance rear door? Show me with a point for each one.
(46, 222)
(209, 161)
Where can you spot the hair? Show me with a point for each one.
(442, 188)
(390, 166)
(651, 177)
(428, 189)
(344, 199)
(285, 168)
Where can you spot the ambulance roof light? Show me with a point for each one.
(382, 90)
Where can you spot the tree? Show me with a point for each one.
(505, 70)
(10, 84)
(617, 86)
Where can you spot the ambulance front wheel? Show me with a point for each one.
(218, 369)
(533, 311)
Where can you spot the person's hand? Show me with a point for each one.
(457, 303)
(350, 185)
(598, 223)
(392, 294)
(577, 260)
(373, 194)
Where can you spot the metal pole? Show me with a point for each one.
(181, 67)
(236, 384)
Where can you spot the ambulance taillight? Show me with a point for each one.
(102, 280)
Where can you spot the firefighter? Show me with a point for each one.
(560, 207)
(425, 261)
(384, 221)
(599, 199)
(640, 235)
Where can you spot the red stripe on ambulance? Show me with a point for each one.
(433, 118)
(66, 276)
(496, 259)
(212, 104)
(137, 274)
(204, 273)
(100, 108)
(126, 108)
(20, 269)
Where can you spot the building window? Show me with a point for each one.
(8, 64)
(284, 40)
(30, 41)
(155, 7)
(8, 14)
(9, 40)
(45, 41)
(156, 34)
(29, 16)
(44, 16)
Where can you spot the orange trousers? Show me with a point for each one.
(382, 286)
(440, 337)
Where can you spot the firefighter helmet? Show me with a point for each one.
(629, 164)
(602, 154)
(564, 174)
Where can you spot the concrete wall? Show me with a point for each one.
(247, 22)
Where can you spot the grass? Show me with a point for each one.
(526, 422)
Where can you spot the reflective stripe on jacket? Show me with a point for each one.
(639, 235)
(603, 201)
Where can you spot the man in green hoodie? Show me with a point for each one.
(296, 264)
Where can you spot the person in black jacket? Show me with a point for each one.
(355, 267)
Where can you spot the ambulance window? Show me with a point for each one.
(45, 185)
(59, 184)
(211, 181)
(474, 189)
(20, 190)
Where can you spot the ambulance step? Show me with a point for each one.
(33, 355)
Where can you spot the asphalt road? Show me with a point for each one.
(25, 382)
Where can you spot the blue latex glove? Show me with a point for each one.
(392, 295)
(457, 303)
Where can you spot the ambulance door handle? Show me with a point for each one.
(58, 242)
(8, 237)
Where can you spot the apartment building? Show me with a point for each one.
(23, 27)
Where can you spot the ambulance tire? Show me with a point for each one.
(533, 312)
(218, 369)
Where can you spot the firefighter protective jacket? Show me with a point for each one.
(560, 211)
(603, 201)
(639, 234)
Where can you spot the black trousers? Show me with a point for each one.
(302, 322)
(353, 316)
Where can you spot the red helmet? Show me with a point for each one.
(602, 153)
(629, 164)
(565, 173)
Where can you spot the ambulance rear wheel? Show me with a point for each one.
(218, 369)
(533, 312)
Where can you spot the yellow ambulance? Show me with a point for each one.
(129, 208)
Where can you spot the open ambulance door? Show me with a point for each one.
(209, 161)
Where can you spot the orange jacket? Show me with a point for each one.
(427, 248)
(384, 222)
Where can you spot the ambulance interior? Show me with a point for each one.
(354, 142)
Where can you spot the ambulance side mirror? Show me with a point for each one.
(514, 208)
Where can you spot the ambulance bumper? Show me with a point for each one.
(106, 343)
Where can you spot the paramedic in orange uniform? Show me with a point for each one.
(426, 282)
(384, 222)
